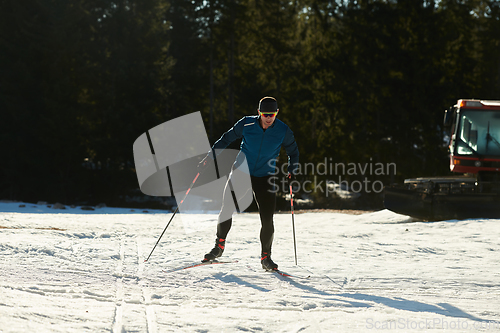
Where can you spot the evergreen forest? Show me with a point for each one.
(363, 82)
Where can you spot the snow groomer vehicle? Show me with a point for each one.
(474, 192)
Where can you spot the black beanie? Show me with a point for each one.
(268, 104)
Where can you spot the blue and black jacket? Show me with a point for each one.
(262, 147)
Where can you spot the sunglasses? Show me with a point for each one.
(268, 114)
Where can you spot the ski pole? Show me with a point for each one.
(293, 224)
(175, 212)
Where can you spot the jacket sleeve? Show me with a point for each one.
(233, 134)
(292, 150)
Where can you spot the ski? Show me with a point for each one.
(205, 263)
(282, 273)
(277, 271)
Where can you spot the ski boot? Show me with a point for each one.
(216, 251)
(267, 263)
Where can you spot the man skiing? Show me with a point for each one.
(262, 138)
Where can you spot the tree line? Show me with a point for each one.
(357, 81)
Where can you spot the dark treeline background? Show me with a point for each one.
(357, 81)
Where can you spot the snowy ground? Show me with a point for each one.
(77, 271)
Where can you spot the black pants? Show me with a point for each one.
(265, 197)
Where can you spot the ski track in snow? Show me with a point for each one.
(76, 271)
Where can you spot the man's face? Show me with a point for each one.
(267, 119)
